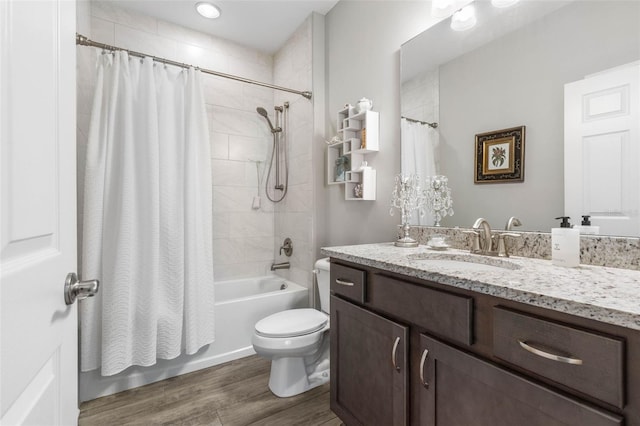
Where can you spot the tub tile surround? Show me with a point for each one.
(294, 215)
(244, 238)
(609, 295)
(597, 250)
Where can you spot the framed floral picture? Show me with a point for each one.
(499, 156)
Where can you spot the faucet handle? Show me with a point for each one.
(475, 243)
(502, 246)
(287, 246)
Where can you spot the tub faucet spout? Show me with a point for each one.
(283, 265)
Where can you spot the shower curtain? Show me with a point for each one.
(147, 218)
(419, 156)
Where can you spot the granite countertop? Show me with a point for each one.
(609, 295)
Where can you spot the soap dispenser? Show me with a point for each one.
(586, 227)
(565, 244)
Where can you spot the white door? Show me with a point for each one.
(38, 331)
(602, 150)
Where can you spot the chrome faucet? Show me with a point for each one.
(484, 235)
(283, 265)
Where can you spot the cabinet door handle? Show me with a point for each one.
(343, 282)
(394, 353)
(554, 357)
(425, 353)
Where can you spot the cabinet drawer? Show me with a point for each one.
(587, 362)
(459, 389)
(348, 282)
(444, 314)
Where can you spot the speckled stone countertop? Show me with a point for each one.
(609, 295)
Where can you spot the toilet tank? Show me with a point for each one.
(322, 274)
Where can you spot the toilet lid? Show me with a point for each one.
(291, 323)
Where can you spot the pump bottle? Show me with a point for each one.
(565, 244)
(586, 228)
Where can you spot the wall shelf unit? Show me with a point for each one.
(359, 135)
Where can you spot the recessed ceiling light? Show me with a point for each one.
(208, 10)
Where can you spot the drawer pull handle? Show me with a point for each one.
(343, 282)
(425, 353)
(394, 353)
(548, 355)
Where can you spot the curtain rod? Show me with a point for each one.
(433, 125)
(84, 41)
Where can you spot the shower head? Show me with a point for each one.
(263, 112)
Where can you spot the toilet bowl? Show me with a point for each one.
(297, 343)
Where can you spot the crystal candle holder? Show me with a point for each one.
(438, 198)
(407, 196)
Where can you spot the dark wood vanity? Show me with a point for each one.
(406, 351)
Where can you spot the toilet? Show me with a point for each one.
(297, 343)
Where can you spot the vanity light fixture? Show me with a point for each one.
(503, 3)
(208, 10)
(442, 8)
(464, 19)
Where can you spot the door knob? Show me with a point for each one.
(74, 289)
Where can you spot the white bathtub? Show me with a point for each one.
(239, 305)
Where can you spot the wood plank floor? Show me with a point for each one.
(231, 394)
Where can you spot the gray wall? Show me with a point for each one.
(363, 41)
(519, 80)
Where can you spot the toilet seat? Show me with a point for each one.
(292, 323)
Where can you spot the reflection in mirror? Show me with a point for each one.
(511, 70)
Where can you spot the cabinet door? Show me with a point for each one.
(369, 367)
(460, 389)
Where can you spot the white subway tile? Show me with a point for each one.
(228, 251)
(256, 96)
(244, 148)
(241, 270)
(183, 35)
(102, 31)
(252, 224)
(202, 58)
(228, 173)
(251, 70)
(220, 225)
(232, 199)
(296, 226)
(106, 10)
(223, 92)
(219, 144)
(140, 41)
(233, 121)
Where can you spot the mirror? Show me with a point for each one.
(509, 71)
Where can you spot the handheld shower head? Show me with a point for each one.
(263, 112)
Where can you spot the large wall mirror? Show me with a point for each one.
(511, 70)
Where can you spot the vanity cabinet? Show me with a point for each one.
(369, 369)
(359, 135)
(406, 351)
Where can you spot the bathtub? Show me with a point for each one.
(239, 305)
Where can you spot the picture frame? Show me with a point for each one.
(499, 156)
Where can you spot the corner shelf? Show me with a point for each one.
(353, 128)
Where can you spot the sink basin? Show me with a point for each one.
(462, 262)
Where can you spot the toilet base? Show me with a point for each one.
(289, 376)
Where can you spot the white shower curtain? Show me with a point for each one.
(419, 155)
(147, 219)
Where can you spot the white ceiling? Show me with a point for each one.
(261, 24)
